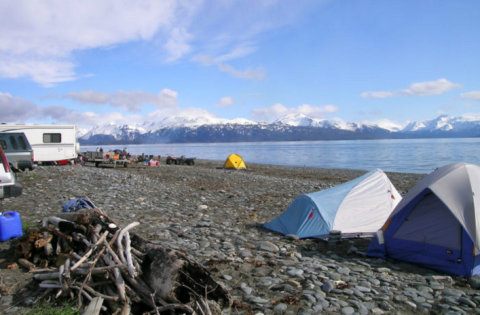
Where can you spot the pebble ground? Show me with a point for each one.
(216, 217)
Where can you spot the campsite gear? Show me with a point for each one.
(77, 204)
(10, 225)
(436, 225)
(357, 208)
(234, 161)
(153, 163)
(180, 160)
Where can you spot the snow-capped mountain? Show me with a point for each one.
(205, 129)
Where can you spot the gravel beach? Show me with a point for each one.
(216, 217)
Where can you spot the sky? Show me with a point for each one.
(91, 62)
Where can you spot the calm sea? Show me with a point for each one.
(405, 156)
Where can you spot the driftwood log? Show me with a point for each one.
(177, 279)
(96, 258)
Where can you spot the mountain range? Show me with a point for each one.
(288, 128)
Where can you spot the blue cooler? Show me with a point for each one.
(10, 226)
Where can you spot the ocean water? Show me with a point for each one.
(404, 156)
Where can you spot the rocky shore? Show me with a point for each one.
(216, 217)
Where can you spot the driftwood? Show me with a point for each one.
(178, 279)
(101, 261)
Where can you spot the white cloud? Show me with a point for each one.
(86, 120)
(316, 111)
(473, 95)
(225, 102)
(39, 38)
(44, 71)
(278, 110)
(177, 45)
(19, 110)
(430, 88)
(56, 27)
(377, 94)
(417, 89)
(257, 74)
(89, 97)
(471, 116)
(16, 109)
(239, 51)
(131, 101)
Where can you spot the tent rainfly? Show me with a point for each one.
(357, 208)
(437, 223)
(234, 161)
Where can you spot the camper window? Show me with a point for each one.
(22, 143)
(3, 144)
(14, 142)
(52, 137)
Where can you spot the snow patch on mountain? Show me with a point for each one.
(184, 128)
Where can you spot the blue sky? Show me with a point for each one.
(89, 62)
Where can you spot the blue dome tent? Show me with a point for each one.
(357, 208)
(436, 224)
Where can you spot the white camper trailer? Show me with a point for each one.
(50, 143)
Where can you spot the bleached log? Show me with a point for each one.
(128, 255)
(111, 252)
(169, 273)
(77, 217)
(138, 253)
(120, 239)
(26, 264)
(76, 256)
(97, 270)
(89, 252)
(46, 276)
(94, 307)
(132, 295)
(114, 307)
(125, 309)
(86, 295)
(136, 262)
(119, 281)
(60, 273)
(47, 248)
(95, 293)
(66, 273)
(58, 249)
(50, 286)
(79, 237)
(141, 289)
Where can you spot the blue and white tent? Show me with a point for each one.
(356, 208)
(437, 223)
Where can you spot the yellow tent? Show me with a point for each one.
(234, 161)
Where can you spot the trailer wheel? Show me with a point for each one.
(97, 164)
(125, 164)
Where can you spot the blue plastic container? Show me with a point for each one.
(10, 226)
